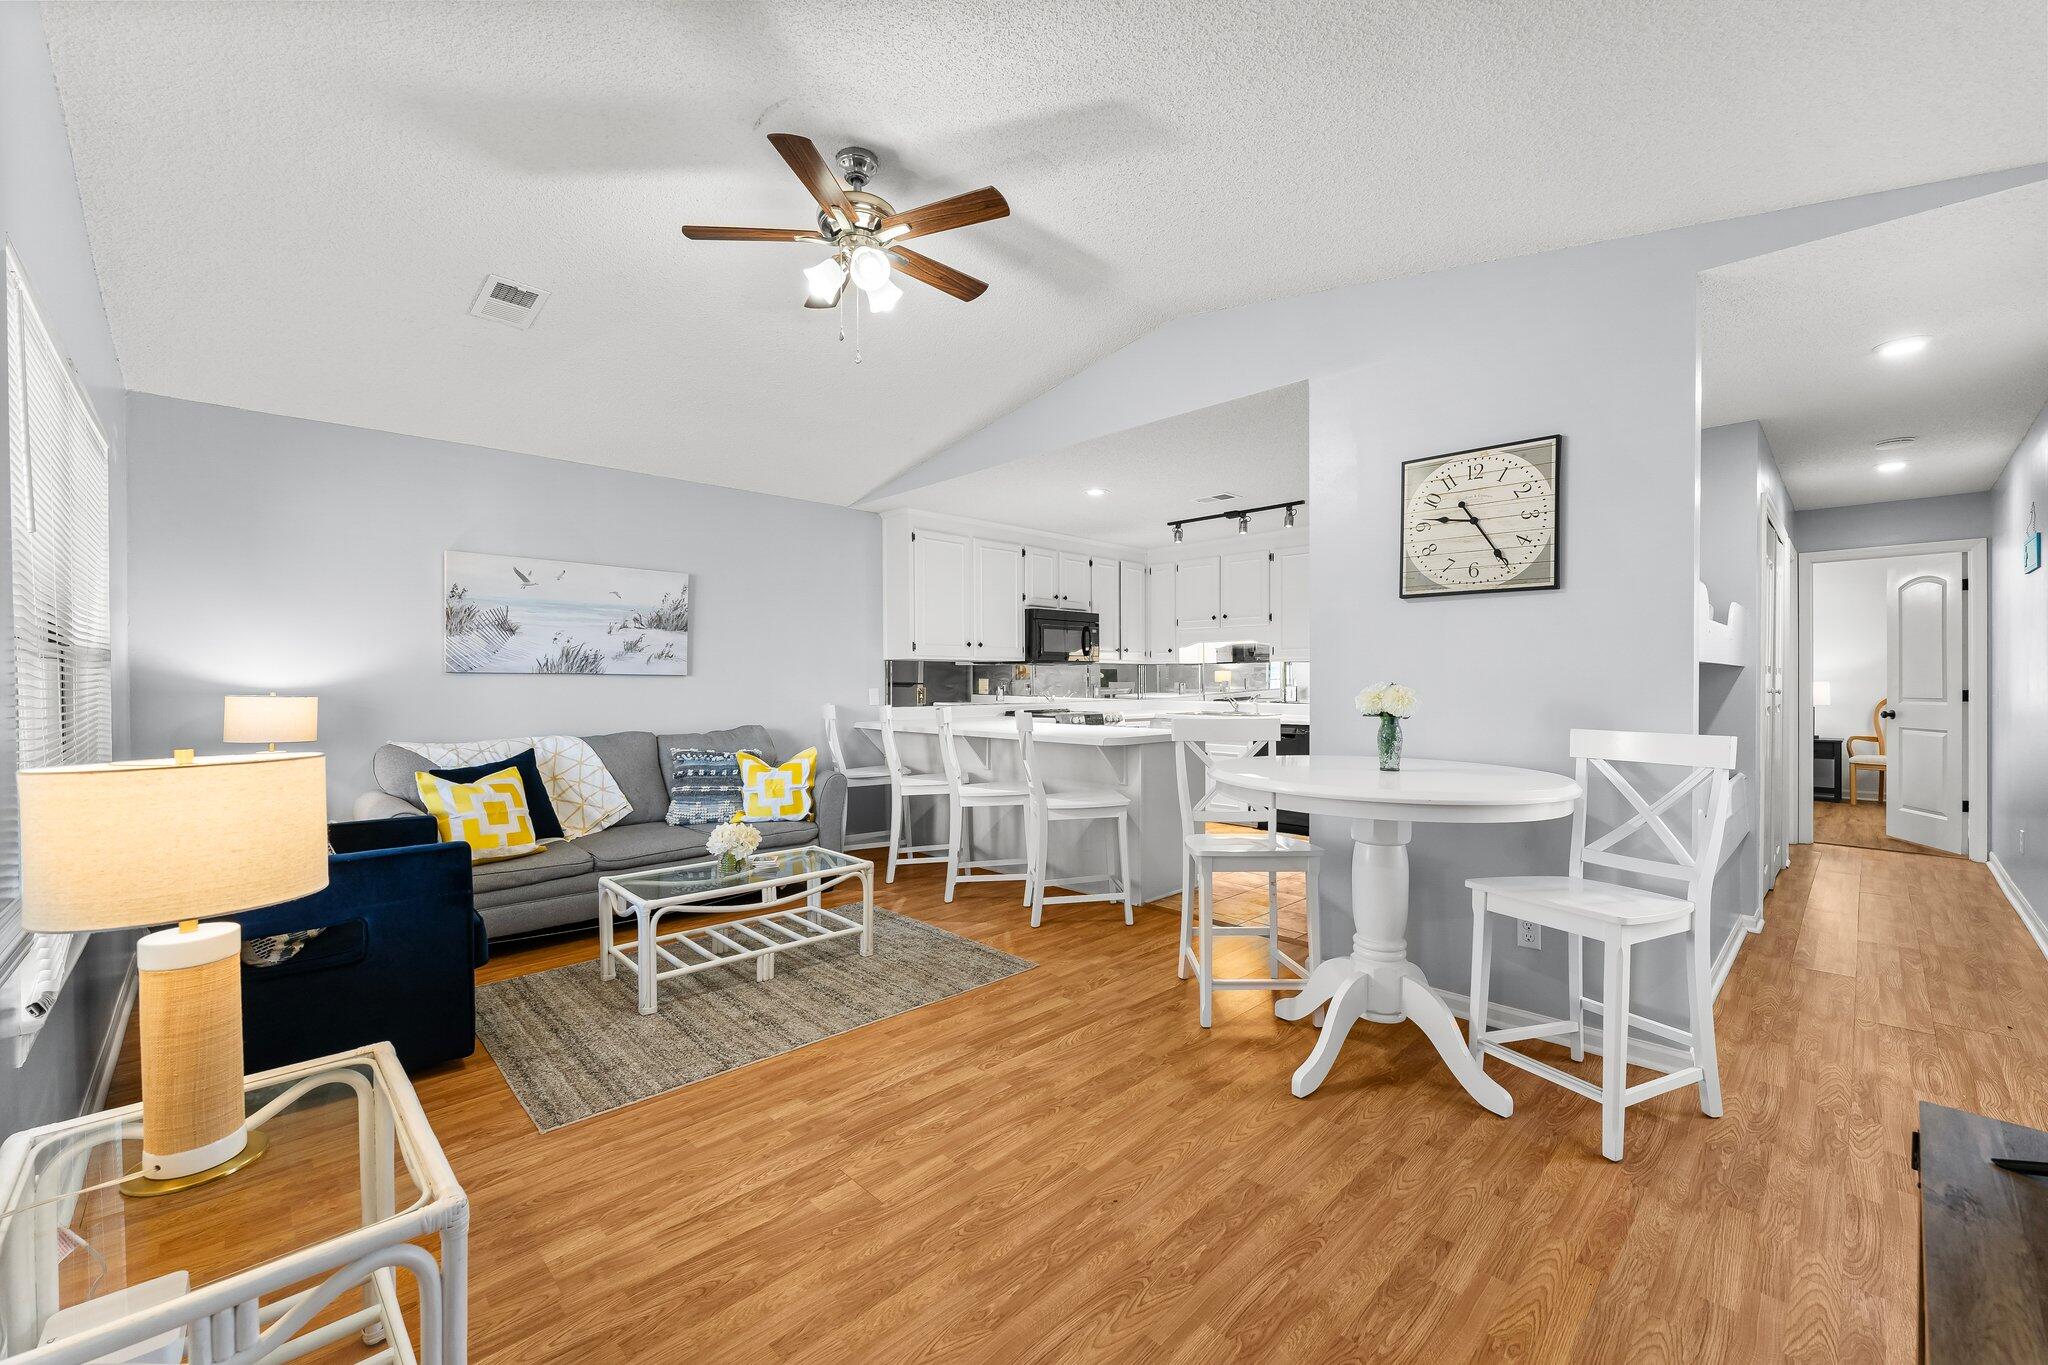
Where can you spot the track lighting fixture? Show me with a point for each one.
(1242, 517)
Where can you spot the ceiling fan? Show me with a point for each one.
(864, 230)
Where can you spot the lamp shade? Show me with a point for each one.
(271, 720)
(116, 845)
(1823, 694)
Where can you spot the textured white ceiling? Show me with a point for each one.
(1786, 340)
(1256, 447)
(292, 205)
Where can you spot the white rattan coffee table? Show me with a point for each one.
(779, 879)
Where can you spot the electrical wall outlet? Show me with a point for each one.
(2021, 851)
(1528, 934)
(874, 696)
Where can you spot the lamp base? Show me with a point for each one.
(145, 1187)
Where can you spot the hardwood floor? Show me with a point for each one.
(1064, 1166)
(1861, 826)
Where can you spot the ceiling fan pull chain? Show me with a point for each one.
(856, 325)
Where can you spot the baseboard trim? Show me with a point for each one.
(2019, 902)
(102, 1079)
(1724, 961)
(1655, 1056)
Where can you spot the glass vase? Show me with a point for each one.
(731, 864)
(1390, 743)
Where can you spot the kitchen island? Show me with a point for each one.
(1135, 757)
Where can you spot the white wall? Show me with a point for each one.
(1739, 479)
(284, 555)
(2019, 674)
(1849, 647)
(41, 219)
(1961, 516)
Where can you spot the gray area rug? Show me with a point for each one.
(572, 1045)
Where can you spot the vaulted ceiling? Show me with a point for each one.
(292, 205)
(1789, 340)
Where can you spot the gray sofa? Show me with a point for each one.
(557, 888)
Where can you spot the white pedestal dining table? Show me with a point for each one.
(1376, 981)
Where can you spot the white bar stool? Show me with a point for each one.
(971, 786)
(1049, 808)
(908, 782)
(874, 775)
(1265, 850)
(1621, 917)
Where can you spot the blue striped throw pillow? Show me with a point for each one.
(704, 787)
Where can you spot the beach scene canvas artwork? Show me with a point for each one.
(510, 614)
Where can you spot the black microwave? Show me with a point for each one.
(1061, 637)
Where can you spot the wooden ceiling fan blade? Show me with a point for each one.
(962, 210)
(697, 232)
(804, 158)
(957, 283)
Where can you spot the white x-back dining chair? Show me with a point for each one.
(1052, 806)
(1621, 916)
(857, 775)
(972, 786)
(907, 782)
(1197, 742)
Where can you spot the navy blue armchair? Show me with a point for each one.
(394, 962)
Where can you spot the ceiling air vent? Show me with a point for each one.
(504, 301)
(1218, 497)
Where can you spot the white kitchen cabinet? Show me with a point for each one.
(1159, 589)
(1132, 641)
(941, 595)
(1246, 595)
(1041, 577)
(1102, 597)
(1290, 603)
(1076, 591)
(998, 600)
(1197, 605)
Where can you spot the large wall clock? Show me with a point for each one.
(1481, 520)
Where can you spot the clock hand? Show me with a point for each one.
(1482, 531)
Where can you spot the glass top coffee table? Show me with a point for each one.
(776, 880)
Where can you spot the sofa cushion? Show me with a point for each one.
(579, 891)
(554, 862)
(788, 834)
(540, 807)
(749, 737)
(627, 846)
(393, 765)
(635, 765)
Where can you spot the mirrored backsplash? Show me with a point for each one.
(956, 682)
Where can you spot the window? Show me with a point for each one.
(57, 678)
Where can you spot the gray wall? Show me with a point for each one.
(2019, 673)
(1962, 516)
(1596, 342)
(41, 219)
(1738, 479)
(294, 556)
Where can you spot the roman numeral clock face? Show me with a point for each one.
(1480, 520)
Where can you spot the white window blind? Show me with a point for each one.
(57, 678)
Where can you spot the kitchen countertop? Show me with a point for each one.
(1293, 713)
(1046, 732)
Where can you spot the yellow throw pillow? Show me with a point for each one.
(489, 814)
(772, 792)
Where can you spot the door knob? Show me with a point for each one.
(1888, 715)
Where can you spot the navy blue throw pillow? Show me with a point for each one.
(546, 824)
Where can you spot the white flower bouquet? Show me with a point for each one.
(1392, 703)
(733, 840)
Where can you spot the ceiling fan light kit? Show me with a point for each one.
(865, 232)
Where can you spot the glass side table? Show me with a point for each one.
(300, 1250)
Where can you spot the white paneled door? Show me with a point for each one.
(942, 595)
(1923, 714)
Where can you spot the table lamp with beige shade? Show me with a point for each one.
(129, 845)
(270, 719)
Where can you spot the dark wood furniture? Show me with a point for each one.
(1829, 757)
(1983, 1239)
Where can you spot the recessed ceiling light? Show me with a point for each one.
(1899, 348)
(1891, 466)
(1098, 492)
